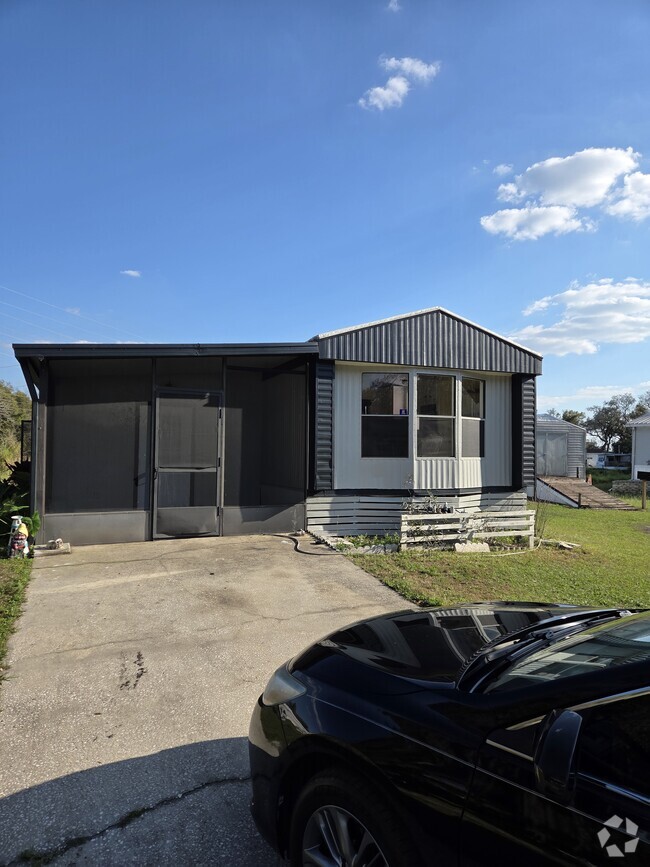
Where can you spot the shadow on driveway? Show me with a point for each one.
(185, 805)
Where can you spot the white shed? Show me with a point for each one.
(561, 447)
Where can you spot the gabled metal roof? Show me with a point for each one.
(641, 421)
(429, 338)
(547, 421)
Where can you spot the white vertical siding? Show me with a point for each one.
(497, 463)
(641, 448)
(350, 469)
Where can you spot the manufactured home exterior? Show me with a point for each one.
(137, 442)
(641, 447)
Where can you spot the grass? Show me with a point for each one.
(612, 566)
(14, 577)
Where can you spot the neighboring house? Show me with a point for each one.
(561, 447)
(640, 446)
(134, 441)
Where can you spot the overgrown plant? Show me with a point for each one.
(14, 500)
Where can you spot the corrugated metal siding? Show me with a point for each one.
(436, 474)
(528, 419)
(433, 339)
(324, 426)
(576, 443)
(642, 446)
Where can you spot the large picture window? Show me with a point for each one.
(436, 416)
(473, 422)
(384, 415)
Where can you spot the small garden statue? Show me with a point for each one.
(18, 544)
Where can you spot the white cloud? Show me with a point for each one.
(590, 178)
(634, 198)
(502, 169)
(131, 273)
(411, 67)
(394, 6)
(390, 96)
(75, 311)
(588, 396)
(581, 180)
(531, 222)
(393, 93)
(596, 313)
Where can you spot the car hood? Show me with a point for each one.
(426, 646)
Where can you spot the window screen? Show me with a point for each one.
(436, 423)
(98, 431)
(473, 421)
(187, 431)
(384, 409)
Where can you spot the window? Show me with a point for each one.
(623, 642)
(436, 410)
(384, 410)
(473, 423)
(615, 744)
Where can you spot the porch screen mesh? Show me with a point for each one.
(98, 433)
(187, 431)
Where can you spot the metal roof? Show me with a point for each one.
(641, 421)
(546, 420)
(138, 350)
(429, 338)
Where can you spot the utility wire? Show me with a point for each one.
(79, 315)
(43, 316)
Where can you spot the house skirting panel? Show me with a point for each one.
(263, 519)
(96, 528)
(381, 515)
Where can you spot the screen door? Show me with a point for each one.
(186, 476)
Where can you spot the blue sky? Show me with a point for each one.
(222, 171)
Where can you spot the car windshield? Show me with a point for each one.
(605, 646)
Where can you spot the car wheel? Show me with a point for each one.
(341, 821)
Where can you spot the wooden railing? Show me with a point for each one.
(417, 528)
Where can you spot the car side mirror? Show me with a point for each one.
(556, 753)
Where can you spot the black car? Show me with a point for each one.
(492, 733)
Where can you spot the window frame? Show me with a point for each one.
(405, 416)
(454, 417)
(472, 418)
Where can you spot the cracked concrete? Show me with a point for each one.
(132, 677)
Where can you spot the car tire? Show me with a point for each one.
(339, 815)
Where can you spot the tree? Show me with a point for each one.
(574, 416)
(608, 422)
(15, 406)
(642, 406)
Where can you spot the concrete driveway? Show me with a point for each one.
(132, 676)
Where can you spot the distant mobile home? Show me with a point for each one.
(145, 441)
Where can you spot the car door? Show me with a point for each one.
(523, 808)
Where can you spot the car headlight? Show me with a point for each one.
(282, 687)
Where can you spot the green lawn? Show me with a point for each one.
(611, 568)
(14, 576)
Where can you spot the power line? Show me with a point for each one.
(42, 327)
(80, 315)
(42, 316)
